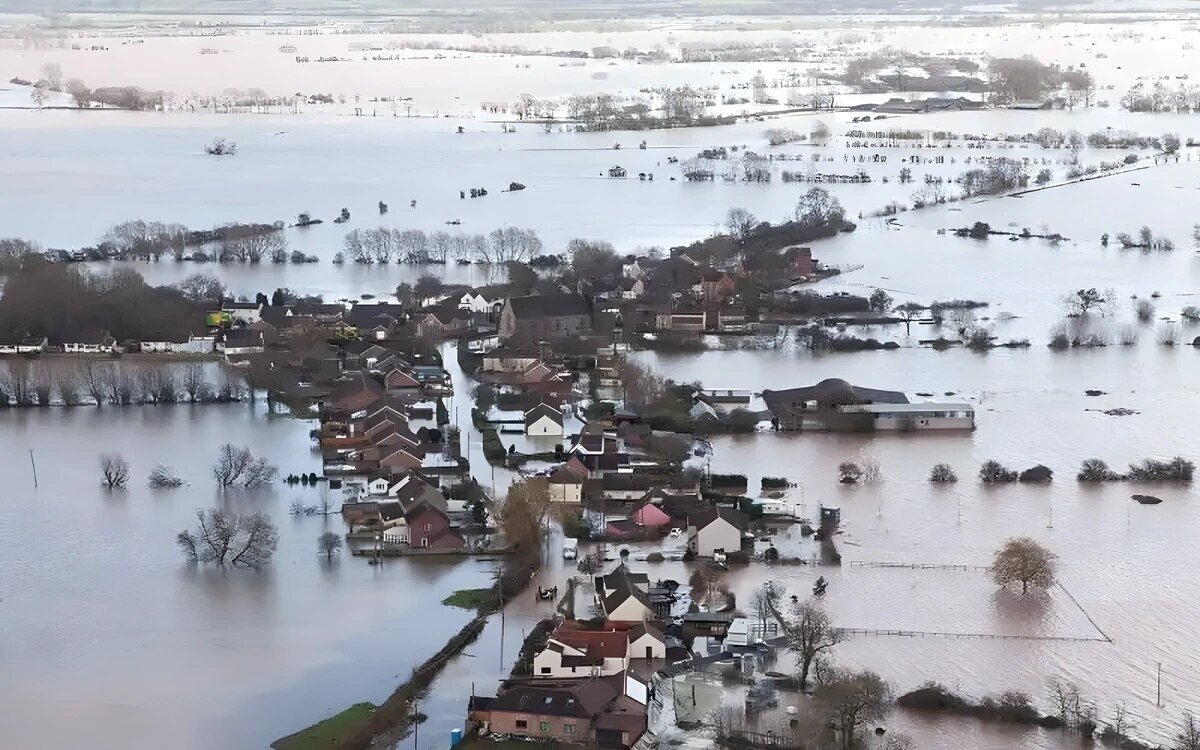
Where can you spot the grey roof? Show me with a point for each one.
(705, 517)
(833, 392)
(585, 699)
(543, 410)
(549, 305)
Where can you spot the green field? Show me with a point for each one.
(468, 598)
(328, 732)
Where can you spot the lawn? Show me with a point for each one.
(327, 733)
(469, 598)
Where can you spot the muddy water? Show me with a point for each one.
(98, 610)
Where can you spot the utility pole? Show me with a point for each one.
(34, 465)
(500, 590)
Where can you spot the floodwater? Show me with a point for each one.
(106, 632)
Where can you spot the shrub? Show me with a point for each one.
(1095, 470)
(942, 473)
(992, 472)
(774, 483)
(849, 472)
(1145, 310)
(1191, 313)
(1059, 342)
(1037, 473)
(1153, 470)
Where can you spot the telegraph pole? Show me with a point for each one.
(34, 465)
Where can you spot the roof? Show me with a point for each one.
(564, 475)
(706, 517)
(596, 644)
(549, 305)
(833, 392)
(584, 700)
(543, 410)
(359, 382)
(919, 408)
(642, 629)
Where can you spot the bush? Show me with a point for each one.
(1152, 470)
(769, 483)
(992, 472)
(849, 472)
(1095, 470)
(942, 473)
(1037, 473)
(742, 420)
(1145, 310)
(1191, 313)
(1059, 342)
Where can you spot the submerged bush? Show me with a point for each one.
(942, 474)
(993, 472)
(1153, 470)
(1037, 473)
(1095, 470)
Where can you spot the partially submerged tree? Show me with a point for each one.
(164, 477)
(238, 465)
(1188, 736)
(1083, 301)
(1095, 470)
(808, 631)
(329, 543)
(908, 312)
(222, 538)
(854, 699)
(880, 301)
(942, 474)
(1024, 561)
(849, 472)
(522, 516)
(115, 471)
(993, 472)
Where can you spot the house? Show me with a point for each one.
(815, 407)
(543, 420)
(545, 316)
(420, 526)
(716, 287)
(356, 394)
(402, 384)
(566, 483)
(483, 303)
(28, 345)
(592, 713)
(916, 417)
(646, 642)
(237, 342)
(325, 315)
(578, 653)
(719, 528)
(93, 341)
(623, 596)
(624, 486)
(510, 359)
(684, 320)
(650, 516)
(443, 320)
(802, 263)
(243, 313)
(732, 320)
(283, 323)
(616, 171)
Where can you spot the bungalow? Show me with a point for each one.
(719, 528)
(545, 316)
(94, 341)
(543, 420)
(624, 486)
(442, 321)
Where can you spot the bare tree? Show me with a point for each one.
(593, 258)
(1118, 725)
(1022, 560)
(222, 538)
(194, 384)
(329, 543)
(164, 477)
(115, 471)
(80, 93)
(854, 699)
(641, 387)
(95, 378)
(809, 634)
(202, 287)
(740, 223)
(1188, 736)
(238, 465)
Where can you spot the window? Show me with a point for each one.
(522, 724)
(429, 527)
(544, 726)
(569, 728)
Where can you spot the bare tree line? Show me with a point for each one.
(91, 382)
(386, 245)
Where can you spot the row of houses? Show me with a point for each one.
(407, 510)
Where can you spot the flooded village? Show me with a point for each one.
(442, 380)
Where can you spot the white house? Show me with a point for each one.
(646, 642)
(582, 654)
(245, 312)
(565, 486)
(91, 342)
(240, 342)
(543, 420)
(718, 528)
(27, 345)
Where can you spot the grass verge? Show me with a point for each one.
(469, 598)
(329, 732)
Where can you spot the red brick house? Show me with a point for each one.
(716, 287)
(429, 528)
